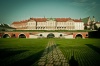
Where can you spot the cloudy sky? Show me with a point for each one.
(17, 10)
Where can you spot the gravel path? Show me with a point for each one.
(52, 56)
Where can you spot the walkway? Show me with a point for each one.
(52, 56)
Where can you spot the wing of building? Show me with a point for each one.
(49, 24)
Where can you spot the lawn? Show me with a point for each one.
(85, 51)
(25, 52)
(21, 52)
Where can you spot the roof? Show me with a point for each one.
(77, 20)
(40, 19)
(16, 23)
(97, 22)
(45, 19)
(24, 21)
(51, 19)
(62, 19)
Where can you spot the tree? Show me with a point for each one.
(1, 25)
(3, 30)
(99, 29)
(85, 27)
(95, 27)
(5, 25)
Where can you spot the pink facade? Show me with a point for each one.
(27, 34)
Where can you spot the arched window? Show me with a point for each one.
(6, 36)
(78, 36)
(86, 34)
(60, 35)
(22, 36)
(51, 35)
(41, 35)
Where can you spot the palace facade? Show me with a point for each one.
(49, 24)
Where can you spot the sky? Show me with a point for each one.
(17, 10)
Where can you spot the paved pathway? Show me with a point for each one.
(52, 56)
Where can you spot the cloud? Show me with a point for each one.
(93, 3)
(81, 1)
(87, 6)
(91, 7)
(85, 3)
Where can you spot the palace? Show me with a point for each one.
(49, 24)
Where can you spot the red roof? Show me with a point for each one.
(97, 22)
(62, 19)
(76, 20)
(40, 19)
(16, 23)
(45, 19)
(24, 21)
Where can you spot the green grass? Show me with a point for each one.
(19, 52)
(25, 52)
(85, 51)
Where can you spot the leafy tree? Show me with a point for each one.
(95, 27)
(85, 27)
(99, 29)
(3, 30)
(5, 25)
(1, 25)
